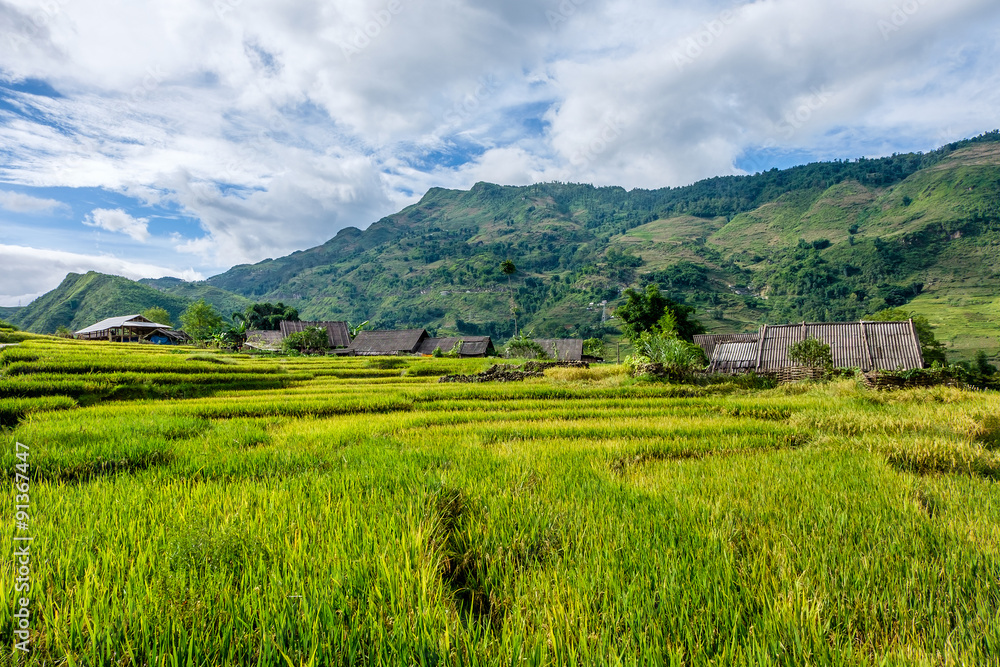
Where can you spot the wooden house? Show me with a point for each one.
(387, 343)
(864, 345)
(565, 349)
(469, 346)
(337, 333)
(132, 329)
(707, 342)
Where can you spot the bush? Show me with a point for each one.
(674, 358)
(811, 353)
(522, 347)
(313, 339)
(594, 347)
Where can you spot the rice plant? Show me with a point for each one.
(296, 511)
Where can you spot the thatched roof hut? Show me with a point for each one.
(388, 343)
(707, 342)
(471, 346)
(563, 349)
(865, 345)
(337, 333)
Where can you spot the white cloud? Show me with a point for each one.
(117, 220)
(277, 123)
(22, 203)
(33, 271)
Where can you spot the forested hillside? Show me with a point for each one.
(824, 241)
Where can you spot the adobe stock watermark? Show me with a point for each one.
(694, 46)
(251, 149)
(792, 122)
(797, 119)
(472, 102)
(364, 35)
(22, 550)
(150, 82)
(562, 12)
(39, 20)
(608, 135)
(223, 7)
(899, 17)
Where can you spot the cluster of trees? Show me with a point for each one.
(203, 322)
(661, 331)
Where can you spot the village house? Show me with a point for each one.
(337, 334)
(133, 329)
(865, 345)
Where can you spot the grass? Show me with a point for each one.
(362, 513)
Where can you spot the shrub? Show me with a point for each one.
(594, 347)
(677, 358)
(811, 353)
(313, 339)
(522, 347)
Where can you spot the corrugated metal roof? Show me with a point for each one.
(137, 321)
(864, 345)
(734, 357)
(262, 339)
(472, 346)
(337, 332)
(563, 349)
(374, 343)
(707, 342)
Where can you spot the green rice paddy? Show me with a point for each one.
(193, 508)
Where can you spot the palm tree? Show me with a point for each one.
(508, 269)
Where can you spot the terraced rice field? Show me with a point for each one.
(204, 509)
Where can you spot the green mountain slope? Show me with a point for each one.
(224, 302)
(835, 240)
(825, 241)
(82, 300)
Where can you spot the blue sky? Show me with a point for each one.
(149, 139)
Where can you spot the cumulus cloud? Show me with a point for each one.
(33, 271)
(22, 203)
(277, 123)
(117, 220)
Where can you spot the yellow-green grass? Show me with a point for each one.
(579, 518)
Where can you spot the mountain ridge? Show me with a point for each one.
(824, 241)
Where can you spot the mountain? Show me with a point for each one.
(81, 300)
(824, 241)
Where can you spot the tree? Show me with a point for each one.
(158, 315)
(268, 316)
(930, 347)
(200, 320)
(594, 347)
(982, 364)
(649, 310)
(811, 353)
(508, 269)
